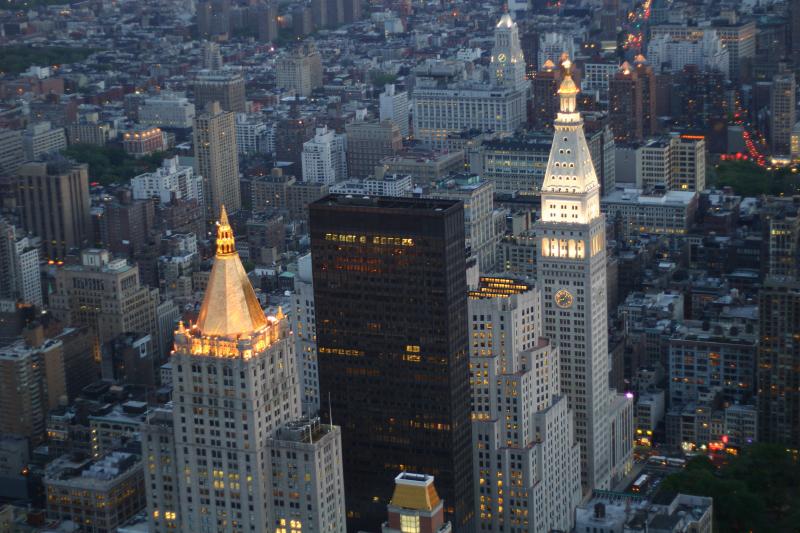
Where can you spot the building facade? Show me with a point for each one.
(525, 456)
(54, 198)
(571, 270)
(223, 86)
(217, 158)
(324, 157)
(400, 392)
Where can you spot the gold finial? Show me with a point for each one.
(226, 245)
(568, 87)
(181, 327)
(279, 315)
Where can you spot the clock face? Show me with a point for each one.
(564, 299)
(501, 58)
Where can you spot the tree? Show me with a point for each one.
(757, 491)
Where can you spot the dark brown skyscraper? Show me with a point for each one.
(291, 133)
(544, 88)
(391, 314)
(54, 197)
(625, 104)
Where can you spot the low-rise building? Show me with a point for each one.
(613, 512)
(667, 213)
(99, 495)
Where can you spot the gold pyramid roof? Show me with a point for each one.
(417, 495)
(230, 307)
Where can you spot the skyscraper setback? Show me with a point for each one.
(391, 317)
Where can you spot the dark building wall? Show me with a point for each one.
(391, 313)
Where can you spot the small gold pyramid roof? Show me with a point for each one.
(418, 494)
(230, 307)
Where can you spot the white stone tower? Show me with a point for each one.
(508, 61)
(572, 277)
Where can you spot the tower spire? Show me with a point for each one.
(567, 91)
(226, 244)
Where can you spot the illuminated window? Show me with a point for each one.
(409, 524)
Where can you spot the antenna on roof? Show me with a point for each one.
(330, 410)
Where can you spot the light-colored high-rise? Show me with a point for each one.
(688, 162)
(217, 159)
(42, 139)
(19, 266)
(170, 180)
(299, 70)
(306, 465)
(571, 268)
(106, 295)
(235, 384)
(783, 113)
(394, 107)
(324, 157)
(525, 456)
(305, 336)
(480, 232)
(446, 102)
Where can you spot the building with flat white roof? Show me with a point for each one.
(170, 179)
(167, 110)
(668, 213)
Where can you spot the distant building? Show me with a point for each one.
(394, 108)
(41, 139)
(299, 70)
(669, 213)
(104, 294)
(719, 357)
(618, 513)
(167, 110)
(368, 143)
(169, 181)
(480, 232)
(424, 166)
(252, 134)
(380, 184)
(217, 159)
(324, 157)
(12, 154)
(74, 488)
(141, 142)
(498, 106)
(783, 113)
(688, 163)
(515, 164)
(90, 132)
(29, 375)
(305, 336)
(54, 197)
(20, 279)
(778, 360)
(224, 86)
